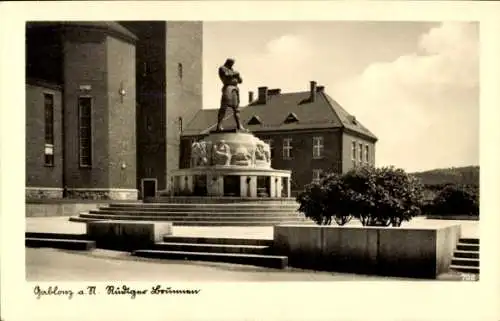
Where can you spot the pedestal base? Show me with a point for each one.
(231, 164)
(231, 181)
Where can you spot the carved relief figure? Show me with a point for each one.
(267, 152)
(262, 153)
(259, 153)
(221, 153)
(242, 157)
(199, 154)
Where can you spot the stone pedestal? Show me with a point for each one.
(233, 164)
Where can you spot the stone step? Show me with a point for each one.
(66, 236)
(216, 200)
(206, 207)
(208, 218)
(469, 241)
(80, 219)
(270, 261)
(262, 213)
(197, 216)
(465, 269)
(467, 254)
(467, 247)
(217, 240)
(462, 261)
(212, 248)
(200, 209)
(209, 202)
(59, 243)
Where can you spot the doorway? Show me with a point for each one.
(149, 187)
(231, 185)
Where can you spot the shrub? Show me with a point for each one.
(384, 196)
(456, 199)
(312, 201)
(376, 196)
(325, 201)
(337, 203)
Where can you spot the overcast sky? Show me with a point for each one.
(414, 85)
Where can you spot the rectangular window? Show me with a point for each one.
(271, 146)
(367, 155)
(316, 175)
(48, 100)
(318, 147)
(360, 151)
(287, 148)
(179, 70)
(85, 130)
(353, 151)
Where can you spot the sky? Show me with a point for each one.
(415, 85)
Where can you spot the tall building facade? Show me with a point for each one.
(104, 101)
(169, 92)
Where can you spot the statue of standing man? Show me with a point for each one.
(230, 93)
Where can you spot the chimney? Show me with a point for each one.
(262, 99)
(320, 89)
(250, 97)
(313, 91)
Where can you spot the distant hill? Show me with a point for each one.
(468, 175)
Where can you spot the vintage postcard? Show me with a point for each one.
(238, 160)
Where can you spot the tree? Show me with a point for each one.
(376, 196)
(456, 199)
(337, 205)
(312, 201)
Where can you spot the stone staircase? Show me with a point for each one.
(256, 252)
(75, 242)
(466, 256)
(247, 251)
(211, 214)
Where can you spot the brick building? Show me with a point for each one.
(105, 102)
(308, 131)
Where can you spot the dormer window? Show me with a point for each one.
(353, 120)
(291, 118)
(255, 120)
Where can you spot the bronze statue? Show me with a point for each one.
(230, 93)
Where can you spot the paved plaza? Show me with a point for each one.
(100, 265)
(470, 229)
(45, 264)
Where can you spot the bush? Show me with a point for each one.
(312, 203)
(376, 196)
(456, 199)
(325, 201)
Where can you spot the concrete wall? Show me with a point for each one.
(37, 173)
(446, 240)
(45, 210)
(127, 236)
(404, 252)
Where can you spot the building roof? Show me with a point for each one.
(278, 114)
(111, 26)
